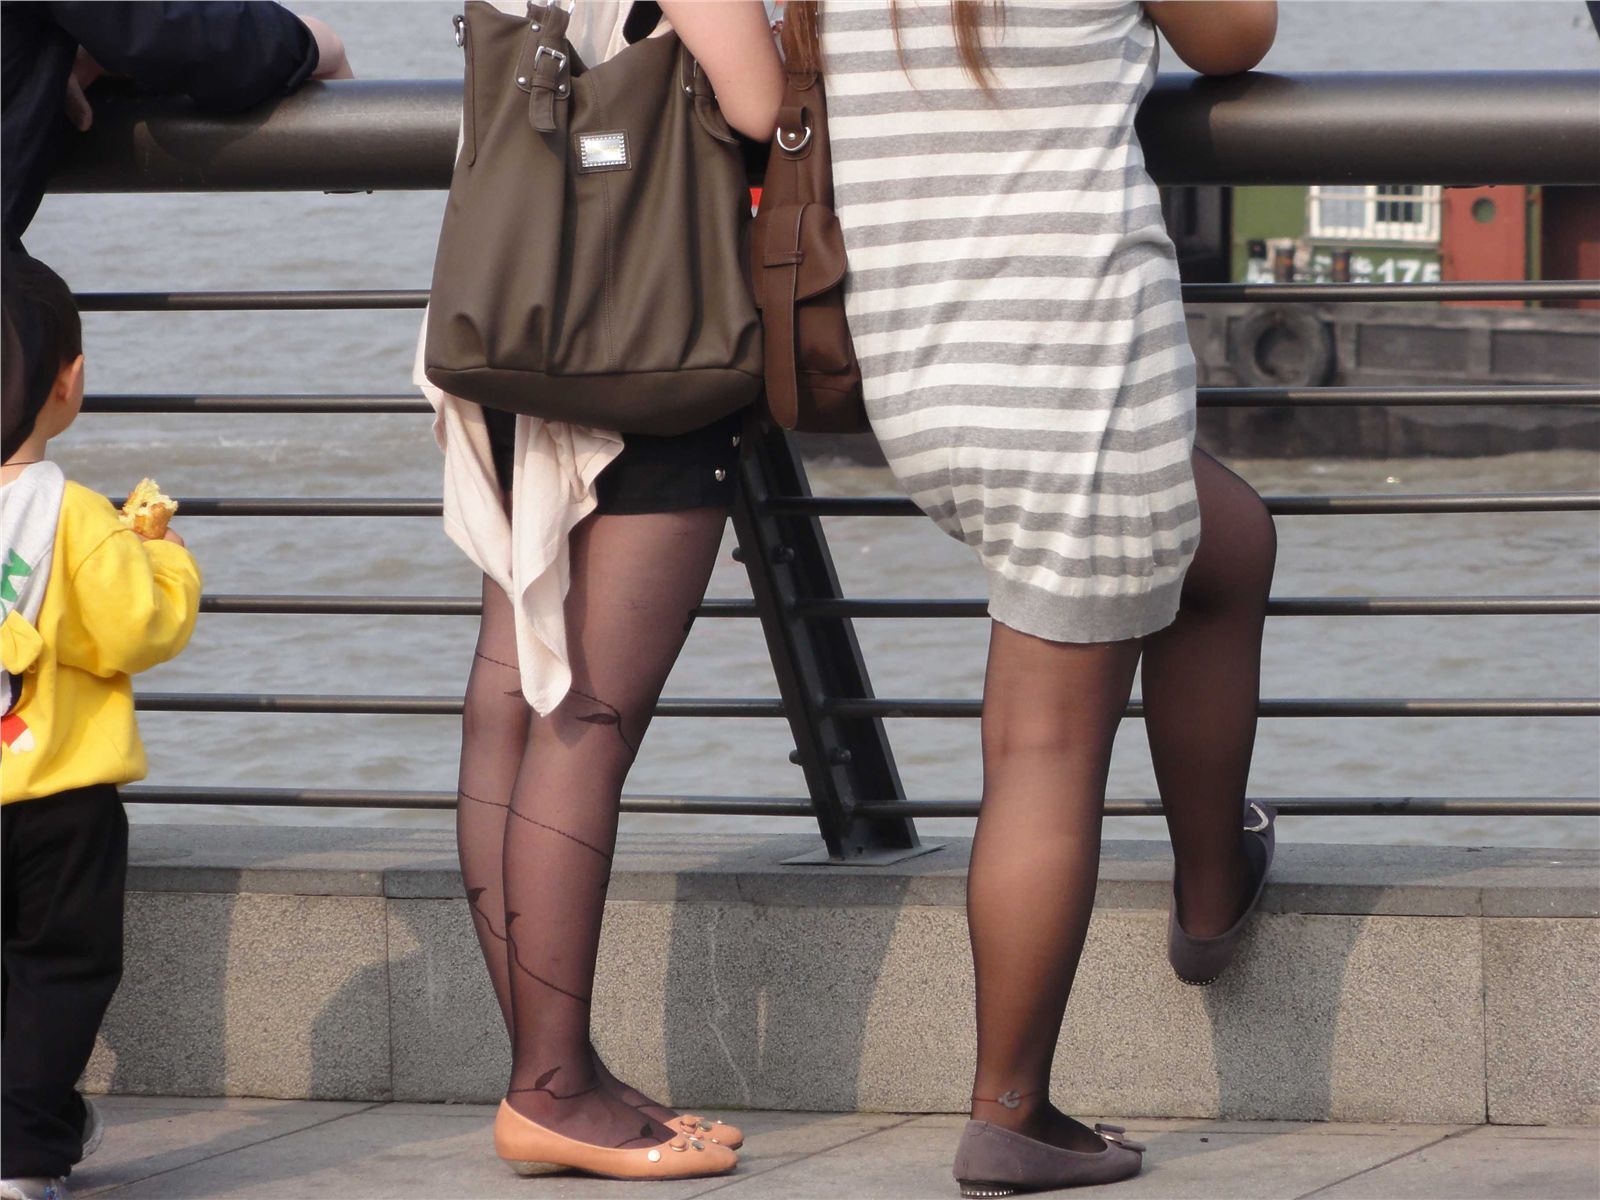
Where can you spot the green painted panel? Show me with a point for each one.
(1265, 212)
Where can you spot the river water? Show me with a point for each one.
(386, 240)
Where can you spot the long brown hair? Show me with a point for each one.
(802, 43)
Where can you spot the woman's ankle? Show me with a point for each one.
(1013, 1109)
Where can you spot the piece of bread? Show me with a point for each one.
(148, 510)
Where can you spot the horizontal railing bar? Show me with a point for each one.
(897, 506)
(1399, 706)
(323, 300)
(1217, 397)
(1319, 806)
(746, 706)
(1460, 127)
(1489, 502)
(758, 806)
(172, 402)
(264, 300)
(1395, 397)
(352, 606)
(367, 705)
(400, 606)
(733, 806)
(1455, 289)
(286, 506)
(1286, 606)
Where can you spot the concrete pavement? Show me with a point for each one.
(183, 1149)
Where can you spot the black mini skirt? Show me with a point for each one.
(697, 469)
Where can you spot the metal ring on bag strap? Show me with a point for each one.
(784, 143)
(460, 23)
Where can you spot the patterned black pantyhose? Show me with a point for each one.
(536, 820)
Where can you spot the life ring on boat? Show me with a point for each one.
(1281, 345)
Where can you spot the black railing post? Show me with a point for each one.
(847, 760)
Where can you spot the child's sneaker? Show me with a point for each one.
(33, 1187)
(94, 1129)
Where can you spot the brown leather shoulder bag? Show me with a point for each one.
(813, 379)
(592, 265)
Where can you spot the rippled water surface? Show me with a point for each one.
(156, 242)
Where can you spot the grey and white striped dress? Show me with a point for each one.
(1013, 297)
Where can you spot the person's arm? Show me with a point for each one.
(225, 56)
(1217, 37)
(732, 42)
(134, 604)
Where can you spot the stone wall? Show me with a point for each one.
(1381, 983)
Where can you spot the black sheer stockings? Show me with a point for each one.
(1201, 682)
(1049, 717)
(539, 798)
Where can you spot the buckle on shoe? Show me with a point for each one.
(1261, 819)
(1114, 1135)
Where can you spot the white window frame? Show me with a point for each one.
(1356, 209)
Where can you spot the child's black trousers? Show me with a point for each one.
(65, 863)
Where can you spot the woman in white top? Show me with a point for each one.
(595, 550)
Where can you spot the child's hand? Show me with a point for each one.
(171, 535)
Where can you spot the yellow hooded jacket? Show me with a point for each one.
(114, 605)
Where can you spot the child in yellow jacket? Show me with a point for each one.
(88, 603)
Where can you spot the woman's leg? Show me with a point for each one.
(1050, 712)
(635, 582)
(1202, 685)
(494, 735)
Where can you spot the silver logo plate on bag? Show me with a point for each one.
(603, 151)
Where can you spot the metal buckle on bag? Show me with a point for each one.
(561, 65)
(792, 143)
(460, 22)
(559, 56)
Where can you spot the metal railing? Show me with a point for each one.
(1435, 129)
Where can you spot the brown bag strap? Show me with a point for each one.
(545, 65)
(780, 281)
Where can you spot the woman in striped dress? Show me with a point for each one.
(1014, 301)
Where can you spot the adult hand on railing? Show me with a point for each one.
(332, 61)
(80, 113)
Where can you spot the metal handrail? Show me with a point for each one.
(778, 806)
(898, 506)
(1284, 606)
(1498, 395)
(300, 300)
(853, 707)
(1483, 502)
(921, 709)
(1463, 127)
(1484, 127)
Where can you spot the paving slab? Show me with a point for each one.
(1183, 1160)
(185, 1149)
(148, 1137)
(1484, 1165)
(252, 1150)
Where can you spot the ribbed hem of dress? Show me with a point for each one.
(1065, 618)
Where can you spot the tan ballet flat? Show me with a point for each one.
(531, 1149)
(711, 1129)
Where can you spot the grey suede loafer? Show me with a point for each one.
(993, 1162)
(1200, 960)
